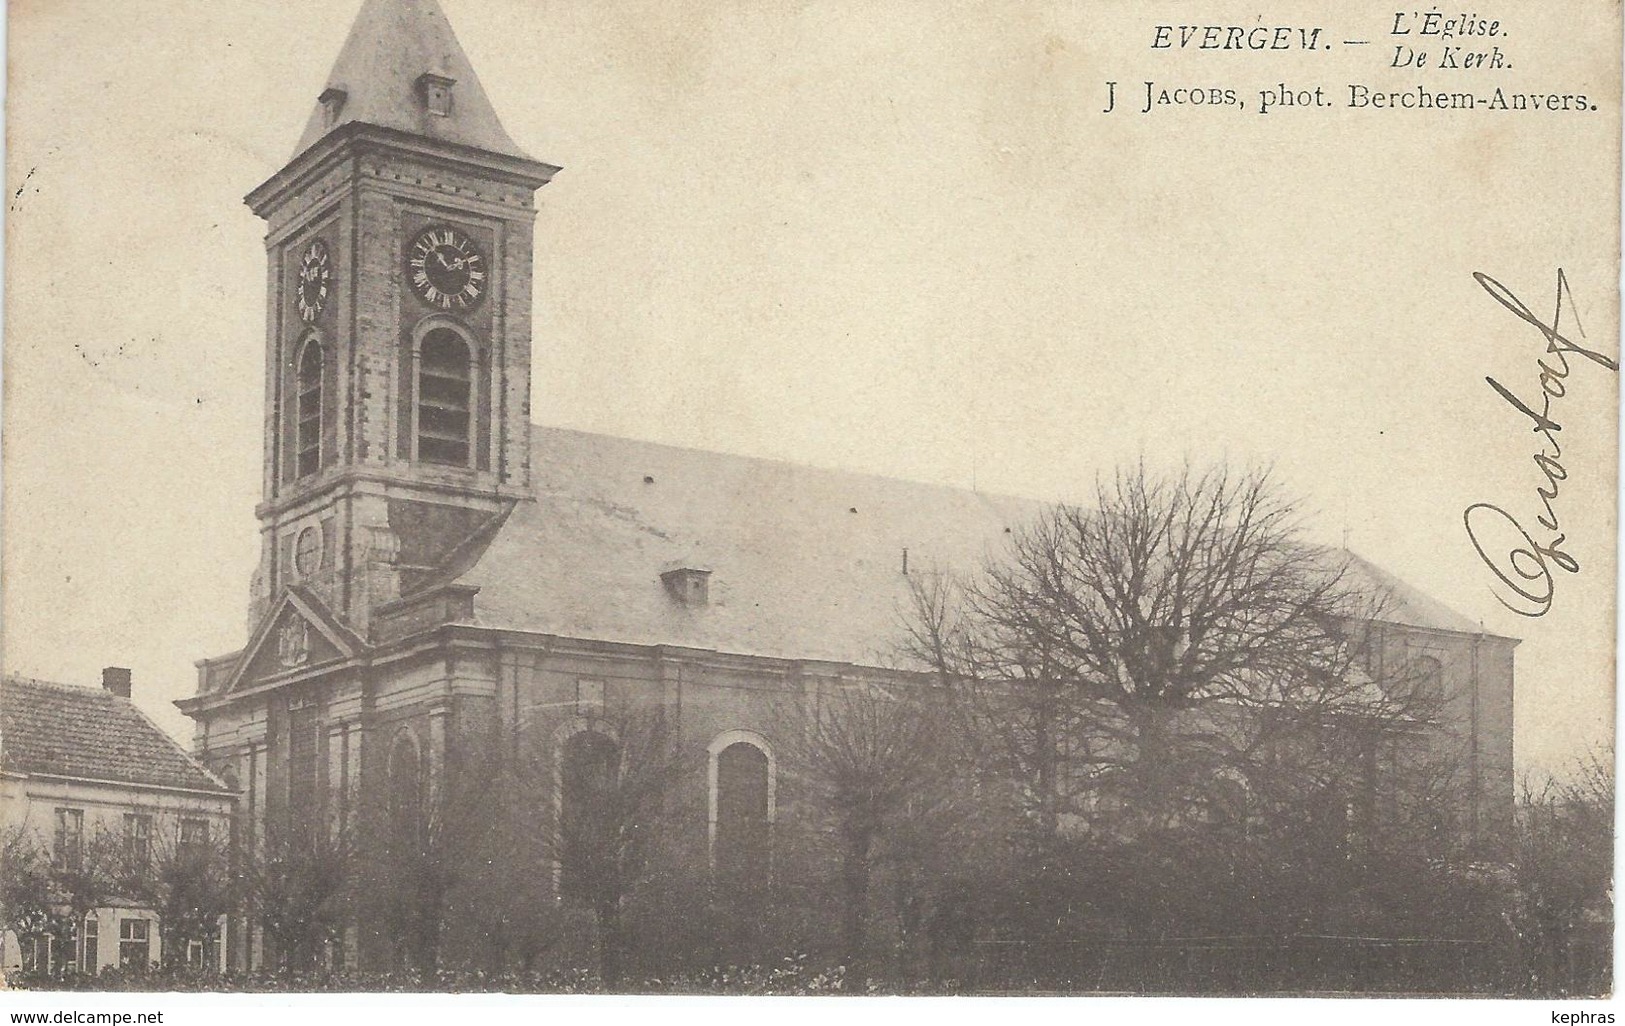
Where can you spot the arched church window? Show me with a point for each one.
(740, 847)
(308, 429)
(445, 398)
(588, 771)
(405, 794)
(1334, 819)
(1225, 804)
(1429, 681)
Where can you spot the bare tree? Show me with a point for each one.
(29, 902)
(1170, 662)
(189, 884)
(186, 881)
(1564, 862)
(47, 892)
(431, 837)
(297, 884)
(504, 901)
(876, 768)
(615, 784)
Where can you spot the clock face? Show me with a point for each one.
(446, 269)
(307, 551)
(315, 280)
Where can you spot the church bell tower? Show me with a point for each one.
(398, 327)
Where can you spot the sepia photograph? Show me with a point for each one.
(843, 497)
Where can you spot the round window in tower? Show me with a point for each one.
(307, 551)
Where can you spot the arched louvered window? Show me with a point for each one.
(445, 397)
(588, 773)
(308, 429)
(741, 844)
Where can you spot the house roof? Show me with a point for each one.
(391, 45)
(799, 562)
(92, 734)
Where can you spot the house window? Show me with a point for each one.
(445, 399)
(308, 430)
(587, 780)
(134, 944)
(193, 840)
(89, 938)
(741, 801)
(69, 850)
(36, 952)
(138, 840)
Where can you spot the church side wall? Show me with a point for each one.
(503, 706)
(1474, 735)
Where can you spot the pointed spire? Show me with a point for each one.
(403, 68)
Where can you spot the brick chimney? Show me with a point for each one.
(117, 680)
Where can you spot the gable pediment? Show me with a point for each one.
(298, 633)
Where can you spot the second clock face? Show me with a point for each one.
(446, 269)
(315, 280)
(307, 551)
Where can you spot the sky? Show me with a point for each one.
(897, 237)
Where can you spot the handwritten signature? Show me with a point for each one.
(1525, 571)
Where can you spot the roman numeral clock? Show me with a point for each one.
(446, 269)
(315, 279)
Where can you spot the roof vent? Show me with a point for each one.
(690, 585)
(435, 92)
(117, 680)
(332, 101)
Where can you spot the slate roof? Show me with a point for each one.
(391, 44)
(805, 563)
(90, 733)
(1404, 603)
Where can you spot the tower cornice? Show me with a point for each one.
(356, 139)
(399, 482)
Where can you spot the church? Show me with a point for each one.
(440, 575)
